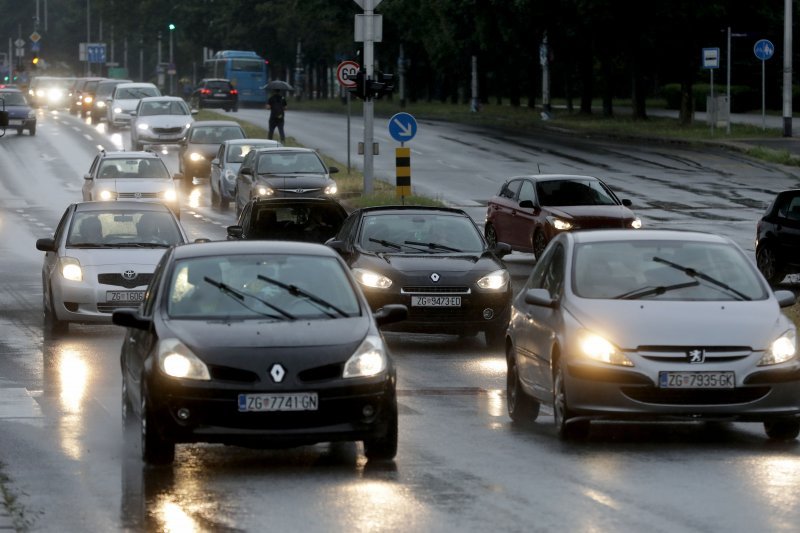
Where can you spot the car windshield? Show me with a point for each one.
(273, 286)
(664, 270)
(13, 98)
(169, 107)
(299, 222)
(289, 163)
(420, 233)
(215, 134)
(133, 168)
(123, 228)
(236, 152)
(135, 93)
(573, 192)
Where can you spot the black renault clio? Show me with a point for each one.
(265, 344)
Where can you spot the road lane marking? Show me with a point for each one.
(17, 403)
(88, 137)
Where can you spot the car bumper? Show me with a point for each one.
(23, 123)
(217, 102)
(145, 137)
(199, 169)
(89, 303)
(214, 415)
(121, 119)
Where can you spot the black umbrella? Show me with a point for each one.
(279, 85)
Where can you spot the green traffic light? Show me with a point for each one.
(171, 27)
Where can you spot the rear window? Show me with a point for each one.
(224, 85)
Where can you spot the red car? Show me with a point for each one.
(530, 210)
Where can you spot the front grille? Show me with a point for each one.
(119, 281)
(299, 191)
(679, 354)
(695, 396)
(177, 129)
(110, 308)
(227, 373)
(322, 373)
(137, 195)
(434, 290)
(439, 314)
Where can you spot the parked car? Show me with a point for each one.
(160, 120)
(21, 116)
(283, 172)
(778, 237)
(124, 99)
(529, 211)
(289, 219)
(140, 176)
(102, 98)
(201, 143)
(651, 325)
(215, 93)
(257, 344)
(432, 260)
(101, 258)
(225, 167)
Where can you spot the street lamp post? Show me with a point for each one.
(171, 62)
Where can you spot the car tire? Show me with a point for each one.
(491, 235)
(32, 131)
(786, 429)
(384, 448)
(566, 428)
(768, 264)
(539, 244)
(522, 408)
(53, 327)
(214, 197)
(155, 449)
(20, 131)
(235, 108)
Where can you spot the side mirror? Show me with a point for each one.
(785, 298)
(215, 162)
(195, 111)
(132, 113)
(130, 318)
(501, 249)
(526, 204)
(246, 171)
(540, 297)
(626, 202)
(333, 170)
(235, 232)
(87, 176)
(3, 119)
(389, 314)
(46, 245)
(177, 176)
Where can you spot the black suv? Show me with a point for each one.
(778, 237)
(289, 219)
(215, 92)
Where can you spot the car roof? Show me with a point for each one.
(294, 201)
(121, 154)
(121, 204)
(227, 248)
(413, 209)
(9, 90)
(162, 99)
(202, 123)
(297, 149)
(605, 235)
(248, 141)
(215, 79)
(127, 84)
(549, 177)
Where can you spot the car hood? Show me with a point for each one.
(632, 323)
(18, 111)
(283, 181)
(126, 104)
(165, 121)
(208, 150)
(136, 185)
(411, 263)
(595, 215)
(138, 259)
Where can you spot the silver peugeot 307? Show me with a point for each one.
(649, 325)
(101, 258)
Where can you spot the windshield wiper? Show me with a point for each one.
(90, 245)
(692, 273)
(294, 290)
(434, 246)
(397, 246)
(140, 245)
(649, 291)
(239, 296)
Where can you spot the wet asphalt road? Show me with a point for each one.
(461, 466)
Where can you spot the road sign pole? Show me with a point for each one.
(728, 92)
(369, 111)
(713, 102)
(347, 93)
(402, 158)
(787, 68)
(763, 99)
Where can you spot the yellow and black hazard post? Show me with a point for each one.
(403, 163)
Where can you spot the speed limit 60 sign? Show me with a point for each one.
(346, 73)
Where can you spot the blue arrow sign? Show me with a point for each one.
(763, 49)
(402, 127)
(96, 53)
(35, 47)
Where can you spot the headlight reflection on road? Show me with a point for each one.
(174, 518)
(775, 478)
(194, 198)
(72, 376)
(377, 503)
(116, 139)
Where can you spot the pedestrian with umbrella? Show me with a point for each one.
(277, 107)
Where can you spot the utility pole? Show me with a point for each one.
(88, 36)
(544, 61)
(401, 73)
(787, 69)
(369, 22)
(298, 70)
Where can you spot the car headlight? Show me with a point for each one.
(265, 191)
(170, 195)
(194, 156)
(371, 279)
(40, 93)
(101, 104)
(117, 110)
(331, 189)
(497, 280)
(636, 223)
(781, 350)
(559, 224)
(143, 126)
(70, 269)
(87, 99)
(186, 126)
(106, 195)
(597, 348)
(368, 360)
(176, 360)
(31, 114)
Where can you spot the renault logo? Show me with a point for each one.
(696, 356)
(277, 372)
(129, 274)
(435, 277)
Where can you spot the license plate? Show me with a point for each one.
(220, 95)
(436, 301)
(15, 123)
(696, 380)
(295, 401)
(124, 296)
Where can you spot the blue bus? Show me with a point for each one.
(246, 70)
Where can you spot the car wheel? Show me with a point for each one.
(155, 450)
(214, 197)
(20, 131)
(223, 203)
(495, 337)
(539, 244)
(566, 429)
(32, 131)
(127, 407)
(767, 261)
(53, 327)
(782, 429)
(491, 235)
(227, 109)
(384, 448)
(235, 108)
(522, 408)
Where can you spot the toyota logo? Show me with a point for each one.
(435, 277)
(129, 274)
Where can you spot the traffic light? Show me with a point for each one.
(381, 85)
(360, 90)
(35, 60)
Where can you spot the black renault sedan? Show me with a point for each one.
(257, 344)
(432, 260)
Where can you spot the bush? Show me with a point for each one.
(743, 98)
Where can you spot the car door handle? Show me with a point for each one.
(513, 212)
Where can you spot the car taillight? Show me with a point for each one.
(205, 91)
(234, 91)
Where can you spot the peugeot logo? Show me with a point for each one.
(277, 372)
(435, 277)
(129, 274)
(696, 356)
